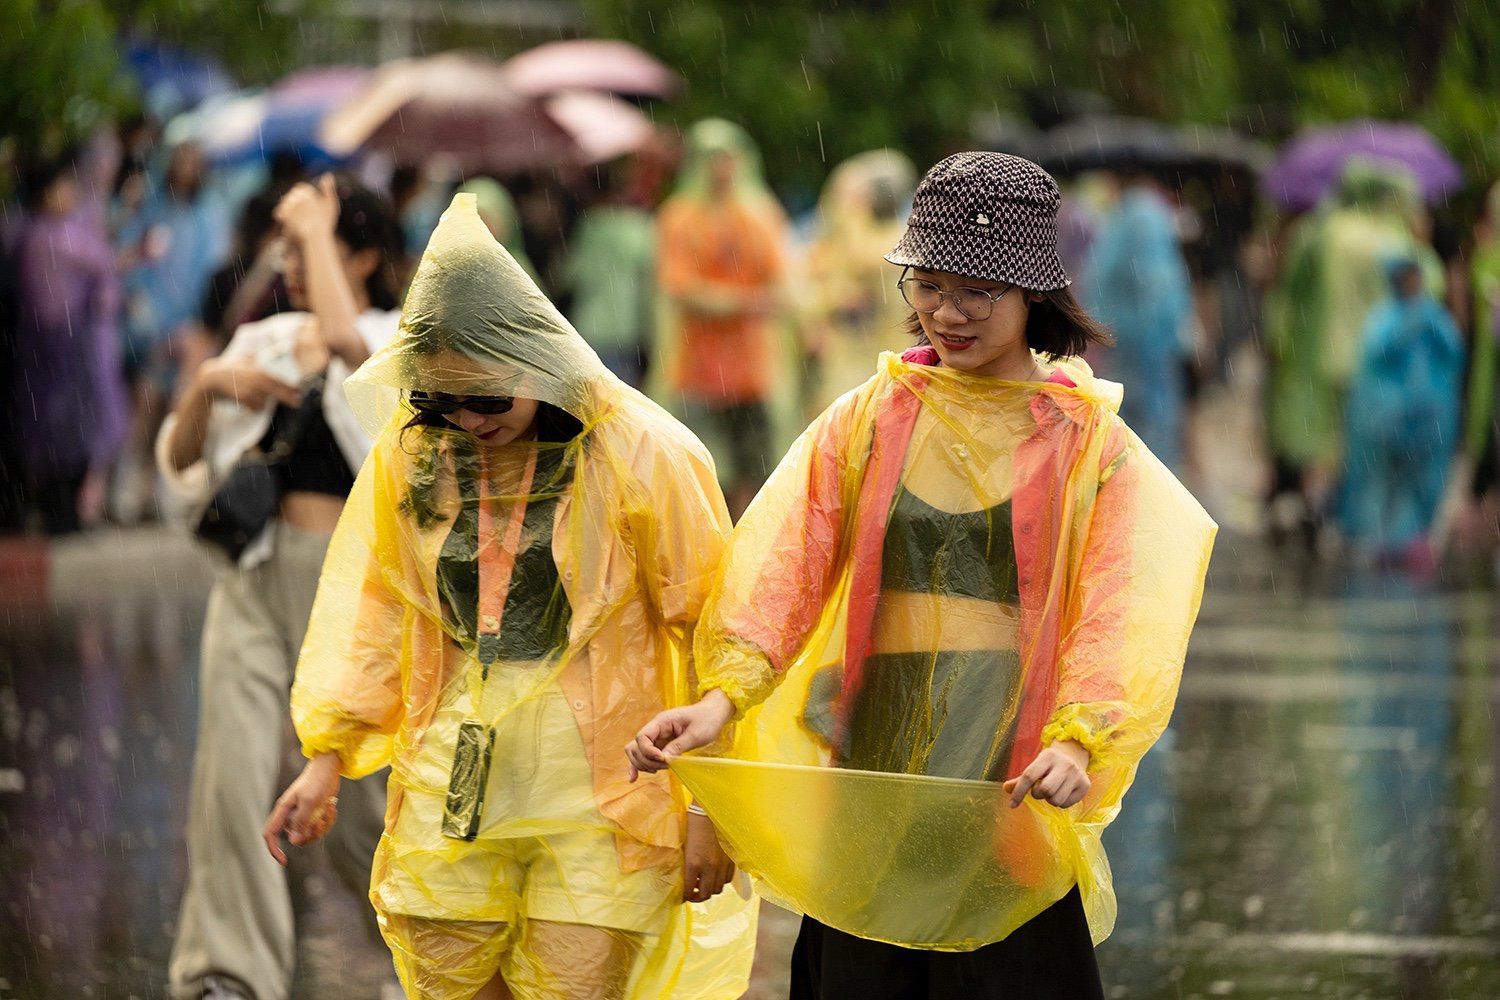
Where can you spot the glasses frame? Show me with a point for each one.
(444, 405)
(944, 295)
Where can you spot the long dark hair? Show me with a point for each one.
(1057, 327)
(367, 222)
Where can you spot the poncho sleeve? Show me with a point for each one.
(347, 697)
(782, 564)
(1122, 647)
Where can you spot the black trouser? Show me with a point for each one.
(1049, 956)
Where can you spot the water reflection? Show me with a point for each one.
(1320, 821)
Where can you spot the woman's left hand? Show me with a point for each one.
(706, 869)
(1059, 775)
(307, 212)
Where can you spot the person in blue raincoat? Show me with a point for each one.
(1138, 286)
(1402, 420)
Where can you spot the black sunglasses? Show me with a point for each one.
(442, 404)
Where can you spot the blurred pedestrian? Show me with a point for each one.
(168, 251)
(1403, 418)
(276, 390)
(498, 210)
(720, 259)
(850, 309)
(1331, 276)
(503, 604)
(610, 275)
(1481, 443)
(68, 406)
(1138, 286)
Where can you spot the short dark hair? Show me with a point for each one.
(1057, 327)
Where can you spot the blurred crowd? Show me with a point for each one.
(1368, 321)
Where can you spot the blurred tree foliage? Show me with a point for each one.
(61, 61)
(818, 82)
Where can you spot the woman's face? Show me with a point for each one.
(982, 347)
(499, 428)
(357, 268)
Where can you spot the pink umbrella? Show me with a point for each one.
(457, 104)
(602, 126)
(591, 64)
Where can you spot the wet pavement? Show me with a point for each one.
(1319, 822)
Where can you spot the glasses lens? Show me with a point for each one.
(923, 296)
(975, 304)
(489, 406)
(428, 403)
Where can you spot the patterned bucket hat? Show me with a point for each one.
(986, 215)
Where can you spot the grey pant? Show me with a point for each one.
(236, 918)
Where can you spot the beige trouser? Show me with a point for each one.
(236, 918)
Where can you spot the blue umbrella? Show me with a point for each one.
(174, 80)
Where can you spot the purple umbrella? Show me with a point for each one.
(1311, 164)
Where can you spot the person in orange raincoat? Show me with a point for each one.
(947, 630)
(512, 588)
(719, 261)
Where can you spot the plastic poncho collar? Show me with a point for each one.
(1110, 555)
(603, 544)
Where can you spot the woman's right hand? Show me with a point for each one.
(308, 808)
(242, 381)
(678, 730)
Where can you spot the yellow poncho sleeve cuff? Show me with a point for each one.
(742, 672)
(360, 753)
(1091, 725)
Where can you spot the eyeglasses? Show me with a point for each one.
(927, 298)
(442, 404)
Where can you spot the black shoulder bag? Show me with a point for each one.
(251, 495)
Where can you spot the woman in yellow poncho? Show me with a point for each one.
(948, 628)
(513, 585)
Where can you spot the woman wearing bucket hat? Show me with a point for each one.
(947, 630)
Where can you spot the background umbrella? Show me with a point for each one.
(174, 80)
(1311, 164)
(591, 64)
(1113, 142)
(1104, 142)
(603, 127)
(251, 125)
(457, 104)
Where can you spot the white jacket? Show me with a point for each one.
(234, 430)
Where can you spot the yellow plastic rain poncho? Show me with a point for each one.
(495, 624)
(946, 573)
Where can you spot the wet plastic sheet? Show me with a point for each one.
(946, 574)
(495, 623)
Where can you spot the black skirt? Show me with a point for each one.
(1049, 956)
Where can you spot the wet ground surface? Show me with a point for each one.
(1320, 822)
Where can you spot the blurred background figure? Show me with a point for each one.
(1481, 441)
(1403, 418)
(720, 261)
(1332, 276)
(850, 308)
(610, 276)
(1138, 286)
(68, 409)
(168, 251)
(498, 210)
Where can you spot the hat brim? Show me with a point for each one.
(1034, 268)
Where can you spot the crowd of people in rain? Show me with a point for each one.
(445, 433)
(129, 264)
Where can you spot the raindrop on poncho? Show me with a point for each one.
(495, 623)
(946, 574)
